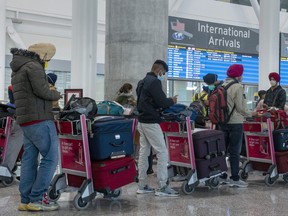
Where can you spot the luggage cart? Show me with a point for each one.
(260, 151)
(6, 175)
(76, 167)
(181, 153)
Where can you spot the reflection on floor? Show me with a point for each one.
(257, 200)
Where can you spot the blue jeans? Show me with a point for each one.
(38, 138)
(233, 139)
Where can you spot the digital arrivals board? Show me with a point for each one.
(197, 48)
(194, 63)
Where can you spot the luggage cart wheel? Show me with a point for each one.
(285, 178)
(213, 183)
(187, 189)
(52, 194)
(243, 175)
(269, 181)
(79, 203)
(8, 181)
(115, 194)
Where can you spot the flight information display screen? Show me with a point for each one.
(193, 63)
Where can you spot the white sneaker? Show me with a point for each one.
(239, 183)
(144, 190)
(166, 191)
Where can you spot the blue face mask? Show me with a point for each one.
(211, 87)
(161, 78)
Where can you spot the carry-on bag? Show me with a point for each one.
(112, 138)
(208, 143)
(109, 175)
(280, 138)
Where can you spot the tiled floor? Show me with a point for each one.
(257, 200)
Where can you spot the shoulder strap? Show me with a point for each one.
(226, 87)
(275, 98)
(203, 95)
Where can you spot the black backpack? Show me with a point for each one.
(77, 106)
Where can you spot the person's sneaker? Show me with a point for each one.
(22, 207)
(44, 205)
(150, 171)
(144, 190)
(178, 178)
(223, 179)
(239, 183)
(166, 191)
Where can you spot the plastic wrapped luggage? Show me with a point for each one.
(109, 175)
(112, 138)
(209, 143)
(280, 138)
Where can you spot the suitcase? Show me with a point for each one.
(280, 138)
(208, 143)
(109, 175)
(282, 161)
(207, 168)
(112, 138)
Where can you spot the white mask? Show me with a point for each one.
(161, 78)
(273, 83)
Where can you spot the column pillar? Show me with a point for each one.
(268, 41)
(3, 45)
(84, 46)
(136, 35)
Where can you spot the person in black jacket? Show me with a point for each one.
(275, 97)
(151, 99)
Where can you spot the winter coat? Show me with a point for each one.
(235, 97)
(275, 97)
(31, 92)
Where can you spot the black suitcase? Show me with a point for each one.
(280, 138)
(208, 143)
(207, 168)
(112, 138)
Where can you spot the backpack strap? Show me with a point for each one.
(202, 96)
(226, 87)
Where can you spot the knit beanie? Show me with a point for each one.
(210, 78)
(52, 78)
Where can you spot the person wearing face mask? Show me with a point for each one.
(233, 130)
(275, 97)
(212, 82)
(151, 99)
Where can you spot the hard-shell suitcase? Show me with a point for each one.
(111, 138)
(208, 143)
(280, 138)
(207, 168)
(109, 175)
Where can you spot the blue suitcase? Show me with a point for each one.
(112, 138)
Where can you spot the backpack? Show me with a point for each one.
(110, 108)
(199, 108)
(218, 107)
(77, 106)
(177, 112)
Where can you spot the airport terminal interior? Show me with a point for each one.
(203, 36)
